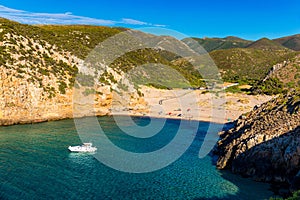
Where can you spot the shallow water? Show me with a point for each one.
(35, 164)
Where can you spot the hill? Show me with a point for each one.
(282, 77)
(291, 42)
(284, 43)
(266, 44)
(211, 44)
(247, 65)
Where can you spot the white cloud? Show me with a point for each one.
(62, 18)
(137, 22)
(5, 9)
(49, 18)
(133, 22)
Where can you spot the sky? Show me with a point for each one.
(249, 19)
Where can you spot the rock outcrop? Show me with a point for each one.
(265, 143)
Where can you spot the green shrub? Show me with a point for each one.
(62, 87)
(271, 86)
(233, 89)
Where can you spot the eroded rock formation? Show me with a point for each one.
(265, 143)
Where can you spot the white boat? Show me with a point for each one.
(86, 147)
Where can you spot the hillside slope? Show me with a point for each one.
(248, 65)
(267, 44)
(291, 42)
(211, 44)
(282, 77)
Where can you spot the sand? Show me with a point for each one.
(194, 105)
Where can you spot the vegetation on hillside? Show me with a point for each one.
(38, 47)
(77, 39)
(267, 44)
(270, 87)
(291, 42)
(252, 61)
(187, 75)
(211, 44)
(247, 65)
(282, 78)
(31, 58)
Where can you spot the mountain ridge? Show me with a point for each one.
(266, 44)
(211, 44)
(214, 43)
(292, 42)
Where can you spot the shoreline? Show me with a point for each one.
(15, 123)
(177, 104)
(156, 117)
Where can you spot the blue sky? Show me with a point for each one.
(212, 18)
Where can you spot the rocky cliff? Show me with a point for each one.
(265, 143)
(39, 74)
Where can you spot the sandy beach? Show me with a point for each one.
(196, 105)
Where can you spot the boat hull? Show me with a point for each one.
(80, 149)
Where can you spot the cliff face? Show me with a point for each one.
(38, 79)
(265, 143)
(29, 87)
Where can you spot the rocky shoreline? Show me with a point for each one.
(265, 143)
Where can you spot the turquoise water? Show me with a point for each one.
(35, 164)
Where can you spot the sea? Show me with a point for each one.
(35, 162)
